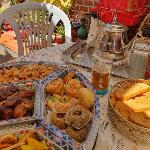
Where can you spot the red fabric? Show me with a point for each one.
(130, 18)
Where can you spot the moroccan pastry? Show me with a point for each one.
(130, 90)
(64, 104)
(51, 100)
(78, 135)
(86, 98)
(8, 139)
(58, 120)
(20, 111)
(55, 87)
(6, 113)
(16, 102)
(78, 117)
(70, 76)
(72, 88)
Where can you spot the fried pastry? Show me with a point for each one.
(55, 87)
(72, 88)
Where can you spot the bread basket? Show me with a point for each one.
(129, 129)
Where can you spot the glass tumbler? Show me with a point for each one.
(101, 74)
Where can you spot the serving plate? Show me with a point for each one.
(128, 128)
(91, 137)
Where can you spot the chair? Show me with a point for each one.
(34, 23)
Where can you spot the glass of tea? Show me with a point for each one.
(101, 74)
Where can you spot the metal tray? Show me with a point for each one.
(42, 132)
(23, 62)
(36, 104)
(128, 67)
(91, 137)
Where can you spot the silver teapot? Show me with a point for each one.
(113, 39)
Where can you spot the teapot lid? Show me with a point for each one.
(115, 26)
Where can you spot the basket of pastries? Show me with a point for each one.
(129, 108)
(26, 71)
(71, 106)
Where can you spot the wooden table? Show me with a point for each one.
(109, 138)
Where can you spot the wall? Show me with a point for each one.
(80, 7)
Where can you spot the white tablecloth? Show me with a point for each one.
(109, 138)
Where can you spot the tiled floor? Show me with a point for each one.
(8, 39)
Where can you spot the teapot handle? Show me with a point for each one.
(138, 34)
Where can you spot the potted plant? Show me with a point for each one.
(60, 34)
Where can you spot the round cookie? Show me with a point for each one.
(78, 135)
(78, 117)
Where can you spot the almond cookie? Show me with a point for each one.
(138, 104)
(122, 109)
(129, 90)
(140, 119)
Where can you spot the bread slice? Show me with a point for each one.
(122, 109)
(138, 104)
(140, 119)
(130, 90)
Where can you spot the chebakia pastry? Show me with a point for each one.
(78, 135)
(25, 72)
(16, 101)
(55, 87)
(78, 117)
(58, 120)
